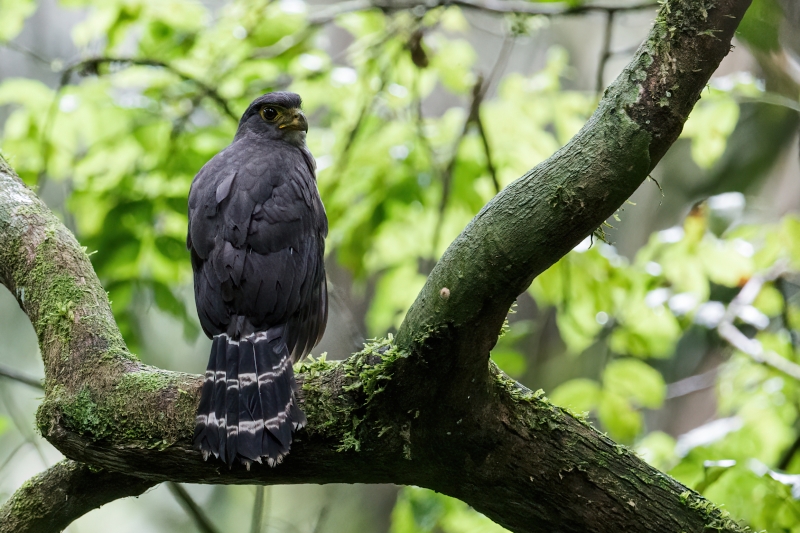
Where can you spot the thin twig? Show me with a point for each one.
(782, 286)
(344, 156)
(192, 509)
(787, 457)
(323, 513)
(691, 384)
(488, 151)
(739, 340)
(12, 454)
(286, 43)
(24, 429)
(501, 7)
(258, 510)
(91, 65)
(21, 377)
(497, 70)
(447, 174)
(605, 53)
(44, 138)
(479, 91)
(27, 51)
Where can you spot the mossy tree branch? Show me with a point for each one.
(52, 499)
(428, 409)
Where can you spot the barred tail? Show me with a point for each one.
(247, 405)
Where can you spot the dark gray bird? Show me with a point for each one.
(257, 231)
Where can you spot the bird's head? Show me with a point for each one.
(275, 116)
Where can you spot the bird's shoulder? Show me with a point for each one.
(254, 165)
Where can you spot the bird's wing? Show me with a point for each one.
(257, 240)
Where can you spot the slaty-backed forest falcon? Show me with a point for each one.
(257, 231)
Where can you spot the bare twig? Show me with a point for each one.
(501, 7)
(192, 509)
(286, 43)
(91, 65)
(12, 454)
(27, 51)
(782, 285)
(606, 53)
(788, 455)
(692, 384)
(342, 162)
(323, 513)
(258, 510)
(24, 428)
(44, 138)
(488, 151)
(739, 340)
(21, 377)
(497, 71)
(479, 91)
(447, 175)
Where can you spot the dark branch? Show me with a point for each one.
(605, 53)
(194, 511)
(478, 92)
(66, 491)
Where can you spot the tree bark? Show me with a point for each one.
(428, 409)
(52, 499)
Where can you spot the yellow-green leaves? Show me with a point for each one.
(424, 511)
(636, 381)
(628, 385)
(14, 13)
(578, 395)
(709, 125)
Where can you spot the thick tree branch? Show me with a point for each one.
(430, 409)
(59, 495)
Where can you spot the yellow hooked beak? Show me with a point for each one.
(295, 120)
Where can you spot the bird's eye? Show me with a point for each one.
(269, 113)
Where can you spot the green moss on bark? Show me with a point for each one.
(148, 408)
(338, 396)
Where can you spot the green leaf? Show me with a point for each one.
(578, 395)
(658, 449)
(760, 25)
(423, 511)
(645, 332)
(636, 380)
(453, 60)
(617, 415)
(510, 361)
(709, 125)
(769, 301)
(14, 13)
(172, 248)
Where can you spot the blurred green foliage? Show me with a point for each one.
(424, 511)
(161, 93)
